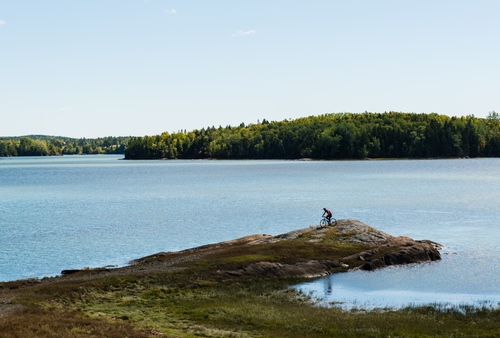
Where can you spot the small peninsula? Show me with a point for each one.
(312, 252)
(236, 288)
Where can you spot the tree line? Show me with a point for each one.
(331, 136)
(39, 145)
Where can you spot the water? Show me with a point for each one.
(74, 211)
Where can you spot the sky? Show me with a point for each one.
(98, 68)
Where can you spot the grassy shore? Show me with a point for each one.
(198, 294)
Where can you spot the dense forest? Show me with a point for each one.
(329, 136)
(332, 136)
(38, 145)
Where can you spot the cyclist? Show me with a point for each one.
(328, 214)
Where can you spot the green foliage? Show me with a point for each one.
(331, 136)
(35, 145)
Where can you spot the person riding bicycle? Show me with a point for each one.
(328, 214)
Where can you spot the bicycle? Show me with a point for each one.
(324, 221)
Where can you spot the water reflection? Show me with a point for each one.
(350, 298)
(399, 287)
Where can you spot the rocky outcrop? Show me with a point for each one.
(377, 250)
(384, 250)
(409, 251)
(404, 250)
(310, 269)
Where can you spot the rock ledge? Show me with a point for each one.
(383, 250)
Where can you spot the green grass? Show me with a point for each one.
(240, 308)
(199, 301)
(250, 259)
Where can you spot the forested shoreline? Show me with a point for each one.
(40, 145)
(332, 136)
(328, 136)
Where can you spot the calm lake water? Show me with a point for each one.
(69, 212)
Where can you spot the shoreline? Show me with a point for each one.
(237, 288)
(406, 251)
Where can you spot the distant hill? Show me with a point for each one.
(43, 145)
(331, 136)
(328, 136)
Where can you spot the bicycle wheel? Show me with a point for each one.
(333, 221)
(323, 222)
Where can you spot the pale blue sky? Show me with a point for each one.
(98, 68)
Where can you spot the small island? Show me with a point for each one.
(236, 288)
